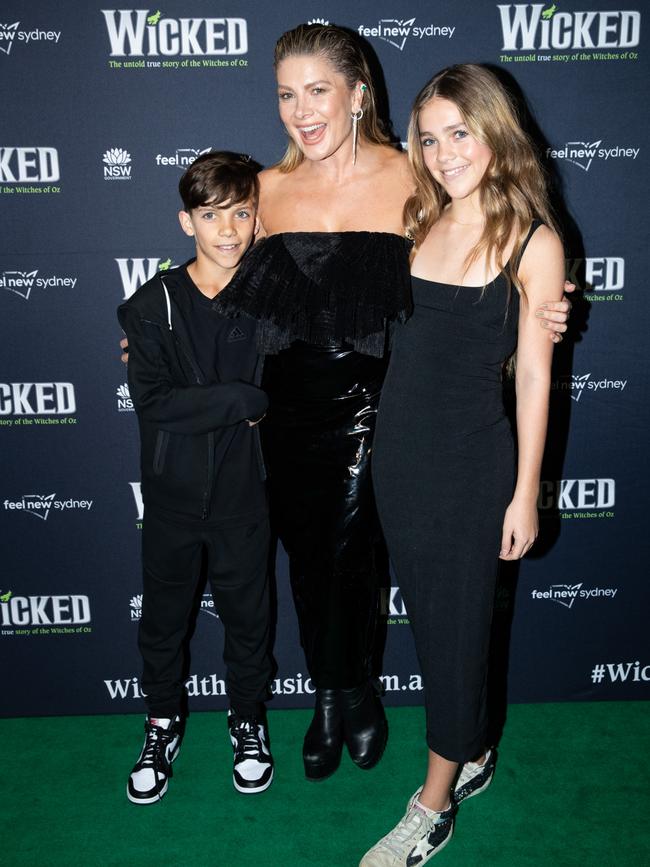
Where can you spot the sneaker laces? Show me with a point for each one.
(248, 740)
(404, 831)
(153, 754)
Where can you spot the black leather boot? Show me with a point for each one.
(323, 744)
(365, 727)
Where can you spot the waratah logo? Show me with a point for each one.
(117, 166)
(530, 26)
(396, 31)
(124, 402)
(136, 607)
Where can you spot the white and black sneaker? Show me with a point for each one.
(253, 766)
(148, 780)
(474, 778)
(417, 837)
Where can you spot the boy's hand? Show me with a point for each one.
(253, 423)
(124, 344)
(554, 314)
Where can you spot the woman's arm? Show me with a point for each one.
(542, 275)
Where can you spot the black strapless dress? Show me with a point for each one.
(325, 303)
(444, 472)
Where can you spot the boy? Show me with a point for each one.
(194, 379)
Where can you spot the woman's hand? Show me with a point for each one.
(520, 529)
(555, 314)
(124, 345)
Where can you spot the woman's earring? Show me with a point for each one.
(356, 117)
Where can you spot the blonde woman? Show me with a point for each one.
(486, 255)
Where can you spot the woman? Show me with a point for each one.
(326, 282)
(485, 256)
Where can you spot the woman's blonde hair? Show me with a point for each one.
(513, 190)
(342, 50)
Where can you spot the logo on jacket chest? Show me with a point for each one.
(236, 334)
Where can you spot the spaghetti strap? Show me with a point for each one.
(534, 226)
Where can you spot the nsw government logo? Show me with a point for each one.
(22, 282)
(124, 402)
(44, 615)
(567, 594)
(397, 31)
(173, 43)
(117, 165)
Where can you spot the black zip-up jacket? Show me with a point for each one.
(200, 459)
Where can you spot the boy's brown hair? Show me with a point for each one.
(219, 177)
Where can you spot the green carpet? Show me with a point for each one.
(571, 788)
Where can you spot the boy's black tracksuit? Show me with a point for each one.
(194, 380)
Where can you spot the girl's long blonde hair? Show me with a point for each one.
(513, 191)
(343, 51)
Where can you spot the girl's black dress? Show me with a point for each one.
(444, 471)
(325, 303)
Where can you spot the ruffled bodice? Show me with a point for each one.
(324, 288)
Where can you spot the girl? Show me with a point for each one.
(485, 257)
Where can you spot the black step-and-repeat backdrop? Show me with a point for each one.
(102, 109)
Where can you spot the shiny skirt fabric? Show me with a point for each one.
(317, 439)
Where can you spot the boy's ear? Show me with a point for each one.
(257, 228)
(186, 223)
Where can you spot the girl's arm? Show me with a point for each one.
(542, 275)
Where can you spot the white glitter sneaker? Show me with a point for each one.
(473, 778)
(420, 835)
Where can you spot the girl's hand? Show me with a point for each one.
(124, 346)
(520, 529)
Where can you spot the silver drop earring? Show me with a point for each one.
(356, 117)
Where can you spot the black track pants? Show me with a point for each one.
(237, 569)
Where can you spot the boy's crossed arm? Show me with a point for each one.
(183, 409)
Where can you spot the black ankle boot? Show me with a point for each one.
(365, 728)
(323, 744)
